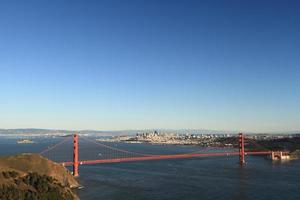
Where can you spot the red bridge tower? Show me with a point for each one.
(241, 148)
(75, 155)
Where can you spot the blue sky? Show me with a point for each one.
(111, 65)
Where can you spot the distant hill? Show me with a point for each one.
(31, 174)
(33, 132)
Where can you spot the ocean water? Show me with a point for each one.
(191, 179)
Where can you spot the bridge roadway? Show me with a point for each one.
(163, 157)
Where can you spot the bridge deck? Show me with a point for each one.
(163, 157)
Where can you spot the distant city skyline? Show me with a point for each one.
(116, 65)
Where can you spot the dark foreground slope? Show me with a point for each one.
(30, 176)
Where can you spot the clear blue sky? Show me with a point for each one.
(110, 65)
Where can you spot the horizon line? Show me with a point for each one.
(151, 129)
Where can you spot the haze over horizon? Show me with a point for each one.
(134, 131)
(226, 65)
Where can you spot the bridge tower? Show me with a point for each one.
(242, 148)
(75, 155)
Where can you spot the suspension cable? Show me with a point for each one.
(112, 148)
(56, 145)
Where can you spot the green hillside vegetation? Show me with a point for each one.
(281, 144)
(30, 176)
(32, 187)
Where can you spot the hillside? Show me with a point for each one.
(31, 174)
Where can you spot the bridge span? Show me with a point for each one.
(164, 157)
(241, 153)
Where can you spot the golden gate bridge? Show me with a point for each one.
(111, 154)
